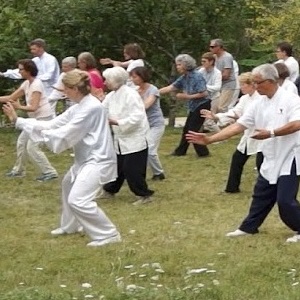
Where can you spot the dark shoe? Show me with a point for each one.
(232, 191)
(160, 176)
(202, 156)
(46, 177)
(176, 154)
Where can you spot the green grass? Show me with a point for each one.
(182, 229)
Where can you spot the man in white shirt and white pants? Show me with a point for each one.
(48, 67)
(277, 121)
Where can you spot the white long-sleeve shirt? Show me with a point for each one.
(83, 127)
(213, 80)
(280, 151)
(247, 145)
(48, 71)
(126, 106)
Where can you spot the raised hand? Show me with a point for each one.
(205, 113)
(197, 138)
(9, 110)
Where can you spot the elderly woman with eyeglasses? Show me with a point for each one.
(84, 126)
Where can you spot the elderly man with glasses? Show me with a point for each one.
(277, 121)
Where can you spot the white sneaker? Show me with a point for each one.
(110, 240)
(236, 233)
(142, 200)
(294, 239)
(60, 231)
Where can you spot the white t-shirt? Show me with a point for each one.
(44, 109)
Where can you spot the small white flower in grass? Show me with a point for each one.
(200, 285)
(86, 285)
(196, 271)
(159, 285)
(159, 271)
(39, 268)
(128, 267)
(156, 265)
(187, 287)
(211, 271)
(119, 279)
(63, 286)
(155, 277)
(177, 223)
(132, 274)
(221, 253)
(132, 231)
(131, 287)
(295, 283)
(21, 283)
(142, 275)
(293, 270)
(144, 265)
(101, 297)
(216, 282)
(88, 296)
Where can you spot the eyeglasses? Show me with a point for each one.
(213, 46)
(260, 82)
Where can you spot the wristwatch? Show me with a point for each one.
(272, 134)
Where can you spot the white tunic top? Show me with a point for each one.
(126, 106)
(246, 145)
(279, 152)
(288, 85)
(84, 126)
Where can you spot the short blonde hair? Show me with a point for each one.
(79, 79)
(246, 77)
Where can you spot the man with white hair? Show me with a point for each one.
(67, 64)
(277, 121)
(48, 67)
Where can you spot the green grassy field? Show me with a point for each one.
(165, 243)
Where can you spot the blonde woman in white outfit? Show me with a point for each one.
(84, 126)
(36, 107)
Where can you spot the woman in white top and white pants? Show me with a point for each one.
(84, 126)
(37, 107)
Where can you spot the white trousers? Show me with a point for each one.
(154, 136)
(26, 146)
(79, 207)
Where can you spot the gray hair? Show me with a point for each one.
(266, 71)
(188, 61)
(70, 60)
(116, 76)
(218, 42)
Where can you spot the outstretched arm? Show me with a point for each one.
(226, 133)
